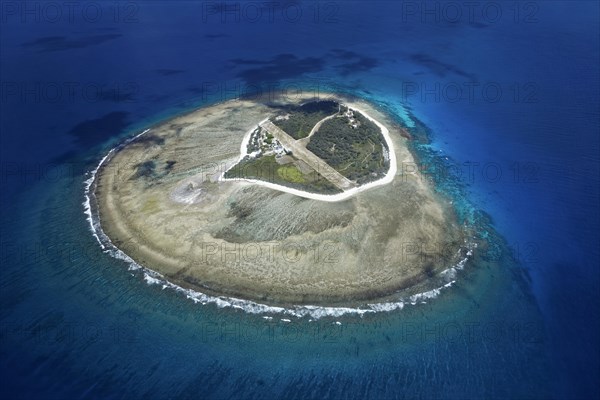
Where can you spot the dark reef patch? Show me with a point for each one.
(280, 67)
(356, 62)
(95, 131)
(168, 71)
(440, 68)
(60, 43)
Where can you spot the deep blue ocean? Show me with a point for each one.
(502, 97)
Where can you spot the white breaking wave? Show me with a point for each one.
(251, 307)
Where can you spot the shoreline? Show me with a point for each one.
(388, 178)
(315, 312)
(392, 300)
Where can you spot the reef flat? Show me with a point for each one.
(163, 200)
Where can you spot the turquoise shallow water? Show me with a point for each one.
(89, 315)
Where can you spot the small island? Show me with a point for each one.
(317, 147)
(282, 201)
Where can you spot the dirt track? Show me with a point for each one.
(309, 157)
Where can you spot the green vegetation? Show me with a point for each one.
(269, 138)
(253, 144)
(267, 169)
(301, 119)
(356, 152)
(291, 173)
(349, 142)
